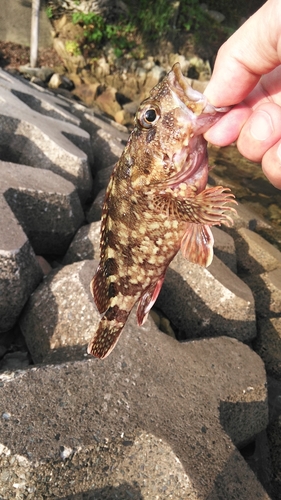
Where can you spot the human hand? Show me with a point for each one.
(247, 76)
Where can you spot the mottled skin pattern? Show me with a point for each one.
(156, 203)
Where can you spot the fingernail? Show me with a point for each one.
(261, 126)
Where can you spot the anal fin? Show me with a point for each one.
(197, 244)
(147, 300)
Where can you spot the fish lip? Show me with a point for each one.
(193, 99)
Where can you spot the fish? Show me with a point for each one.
(156, 203)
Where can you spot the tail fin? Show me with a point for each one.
(108, 332)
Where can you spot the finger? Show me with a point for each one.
(227, 129)
(271, 165)
(260, 132)
(250, 52)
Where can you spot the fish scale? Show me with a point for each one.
(156, 203)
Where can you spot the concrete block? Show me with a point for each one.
(40, 206)
(254, 254)
(42, 142)
(85, 245)
(224, 248)
(46, 206)
(203, 302)
(108, 139)
(156, 419)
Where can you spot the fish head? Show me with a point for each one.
(168, 144)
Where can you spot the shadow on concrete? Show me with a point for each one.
(125, 491)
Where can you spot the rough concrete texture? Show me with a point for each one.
(260, 264)
(224, 248)
(28, 138)
(254, 253)
(204, 302)
(45, 208)
(108, 139)
(156, 419)
(20, 272)
(85, 244)
(91, 435)
(61, 317)
(45, 205)
(15, 23)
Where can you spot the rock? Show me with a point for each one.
(154, 76)
(42, 206)
(254, 253)
(85, 245)
(60, 316)
(19, 271)
(124, 117)
(14, 361)
(42, 141)
(203, 302)
(87, 92)
(60, 81)
(46, 206)
(136, 423)
(43, 73)
(274, 437)
(101, 68)
(108, 140)
(268, 345)
(107, 101)
(94, 214)
(72, 60)
(224, 248)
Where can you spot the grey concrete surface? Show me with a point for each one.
(35, 139)
(15, 23)
(38, 205)
(203, 302)
(157, 417)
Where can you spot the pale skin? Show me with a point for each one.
(247, 76)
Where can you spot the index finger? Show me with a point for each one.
(253, 50)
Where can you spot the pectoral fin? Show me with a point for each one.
(197, 244)
(208, 207)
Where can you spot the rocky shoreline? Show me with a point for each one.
(142, 417)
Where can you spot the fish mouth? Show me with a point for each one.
(192, 163)
(193, 100)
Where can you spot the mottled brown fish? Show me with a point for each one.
(156, 203)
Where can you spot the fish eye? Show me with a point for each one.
(148, 116)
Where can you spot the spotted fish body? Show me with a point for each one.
(156, 203)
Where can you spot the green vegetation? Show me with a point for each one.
(72, 47)
(49, 11)
(98, 32)
(148, 22)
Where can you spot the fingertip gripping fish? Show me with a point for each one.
(156, 203)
